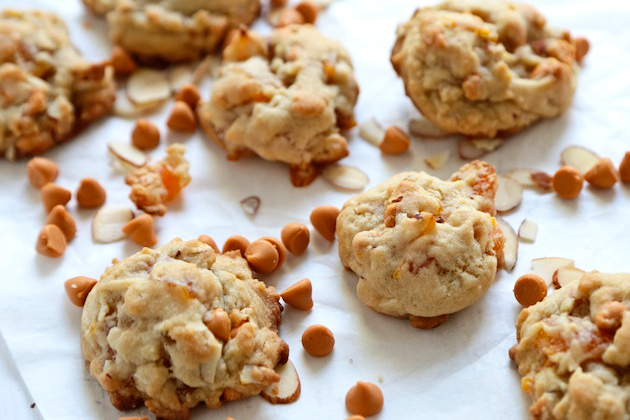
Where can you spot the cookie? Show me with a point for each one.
(287, 103)
(181, 325)
(423, 248)
(172, 30)
(48, 90)
(573, 350)
(154, 185)
(486, 68)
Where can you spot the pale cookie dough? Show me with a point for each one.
(288, 103)
(172, 30)
(423, 247)
(147, 330)
(486, 67)
(573, 350)
(154, 185)
(48, 92)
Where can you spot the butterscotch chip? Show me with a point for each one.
(51, 241)
(282, 251)
(530, 289)
(90, 194)
(40, 171)
(567, 182)
(182, 118)
(78, 288)
(356, 417)
(365, 399)
(53, 194)
(262, 256)
(242, 44)
(324, 220)
(295, 237)
(235, 242)
(218, 322)
(278, 3)
(602, 175)
(290, 16)
(395, 142)
(309, 10)
(318, 340)
(141, 230)
(582, 46)
(145, 135)
(624, 168)
(610, 316)
(299, 295)
(61, 218)
(189, 94)
(122, 62)
(209, 241)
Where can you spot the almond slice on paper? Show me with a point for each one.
(565, 275)
(509, 194)
(127, 155)
(288, 389)
(545, 267)
(346, 177)
(471, 149)
(425, 128)
(510, 246)
(124, 108)
(528, 231)
(542, 180)
(178, 76)
(147, 86)
(108, 221)
(437, 160)
(579, 157)
(250, 205)
(522, 176)
(487, 145)
(372, 132)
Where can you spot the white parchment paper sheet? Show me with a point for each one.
(460, 370)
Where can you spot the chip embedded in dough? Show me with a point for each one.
(286, 104)
(573, 350)
(47, 89)
(423, 247)
(486, 67)
(147, 330)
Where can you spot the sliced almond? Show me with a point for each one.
(437, 160)
(486, 144)
(579, 157)
(470, 149)
(425, 128)
(124, 108)
(372, 132)
(288, 389)
(545, 267)
(510, 247)
(528, 231)
(509, 194)
(108, 221)
(565, 275)
(178, 76)
(346, 177)
(127, 155)
(542, 180)
(204, 68)
(522, 176)
(147, 86)
(250, 205)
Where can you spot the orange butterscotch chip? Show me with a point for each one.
(610, 316)
(262, 256)
(318, 340)
(530, 289)
(90, 194)
(278, 3)
(365, 399)
(209, 241)
(295, 237)
(141, 230)
(282, 251)
(182, 118)
(53, 194)
(602, 175)
(236, 242)
(324, 220)
(51, 241)
(188, 93)
(40, 171)
(145, 135)
(309, 10)
(624, 168)
(122, 62)
(567, 182)
(78, 289)
(299, 295)
(60, 217)
(395, 142)
(218, 322)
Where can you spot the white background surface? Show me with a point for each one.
(460, 370)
